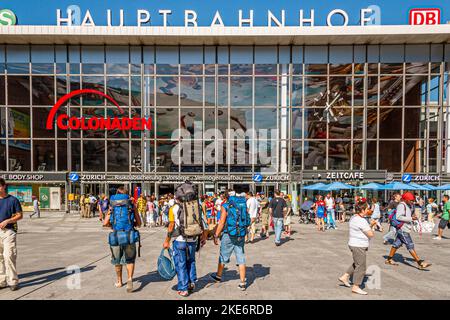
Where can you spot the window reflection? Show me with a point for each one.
(372, 91)
(191, 69)
(136, 91)
(92, 68)
(166, 122)
(94, 155)
(167, 69)
(316, 68)
(266, 91)
(241, 91)
(96, 83)
(390, 156)
(371, 155)
(417, 68)
(339, 155)
(315, 91)
(39, 123)
(413, 151)
(62, 155)
(415, 126)
(44, 155)
(2, 90)
(358, 91)
(191, 91)
(42, 68)
(164, 161)
(358, 123)
(19, 90)
(167, 89)
(341, 91)
(357, 155)
(297, 91)
(390, 120)
(241, 69)
(297, 117)
(265, 69)
(314, 155)
(266, 119)
(391, 91)
(372, 123)
(118, 156)
(341, 126)
(19, 123)
(315, 127)
(341, 68)
(118, 89)
(391, 68)
(19, 155)
(297, 152)
(192, 120)
(222, 92)
(241, 120)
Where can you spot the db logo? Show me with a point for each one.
(418, 17)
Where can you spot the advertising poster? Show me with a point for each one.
(44, 197)
(19, 127)
(23, 193)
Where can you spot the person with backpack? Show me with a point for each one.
(391, 208)
(445, 216)
(319, 210)
(234, 221)
(187, 229)
(103, 206)
(402, 220)
(123, 218)
(278, 209)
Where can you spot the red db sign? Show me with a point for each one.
(420, 17)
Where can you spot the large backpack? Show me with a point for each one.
(122, 222)
(320, 210)
(122, 218)
(238, 218)
(189, 213)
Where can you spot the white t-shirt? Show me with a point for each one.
(357, 227)
(180, 238)
(329, 202)
(376, 211)
(218, 204)
(252, 207)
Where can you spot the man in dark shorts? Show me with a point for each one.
(445, 215)
(10, 213)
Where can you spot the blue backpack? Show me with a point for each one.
(320, 210)
(166, 267)
(122, 218)
(122, 222)
(393, 219)
(238, 218)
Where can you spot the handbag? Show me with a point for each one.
(165, 265)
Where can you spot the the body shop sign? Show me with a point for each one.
(66, 122)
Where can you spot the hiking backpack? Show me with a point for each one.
(122, 222)
(238, 218)
(189, 213)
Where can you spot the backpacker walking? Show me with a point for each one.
(403, 222)
(234, 221)
(185, 226)
(123, 218)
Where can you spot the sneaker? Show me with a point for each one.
(215, 277)
(242, 286)
(359, 291)
(191, 287)
(437, 238)
(345, 281)
(277, 244)
(130, 286)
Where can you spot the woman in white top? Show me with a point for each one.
(376, 215)
(360, 233)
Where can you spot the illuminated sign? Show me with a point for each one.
(65, 122)
(418, 17)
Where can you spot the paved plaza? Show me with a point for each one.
(305, 267)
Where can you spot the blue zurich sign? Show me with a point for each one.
(74, 177)
(257, 177)
(406, 178)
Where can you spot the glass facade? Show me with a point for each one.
(229, 109)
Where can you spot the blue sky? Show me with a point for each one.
(32, 12)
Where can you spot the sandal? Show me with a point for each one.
(183, 294)
(423, 265)
(118, 285)
(391, 262)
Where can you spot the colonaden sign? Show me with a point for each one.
(64, 122)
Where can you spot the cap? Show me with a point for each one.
(408, 196)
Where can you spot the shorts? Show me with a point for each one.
(265, 219)
(228, 245)
(320, 215)
(124, 254)
(443, 223)
(403, 238)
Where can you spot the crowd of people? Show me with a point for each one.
(231, 219)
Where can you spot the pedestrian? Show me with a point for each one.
(287, 218)
(431, 209)
(319, 210)
(360, 233)
(150, 211)
(36, 209)
(184, 249)
(82, 206)
(141, 205)
(87, 207)
(277, 209)
(123, 219)
(265, 216)
(103, 206)
(444, 218)
(252, 209)
(93, 205)
(208, 210)
(10, 213)
(392, 208)
(405, 218)
(331, 212)
(376, 215)
(232, 240)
